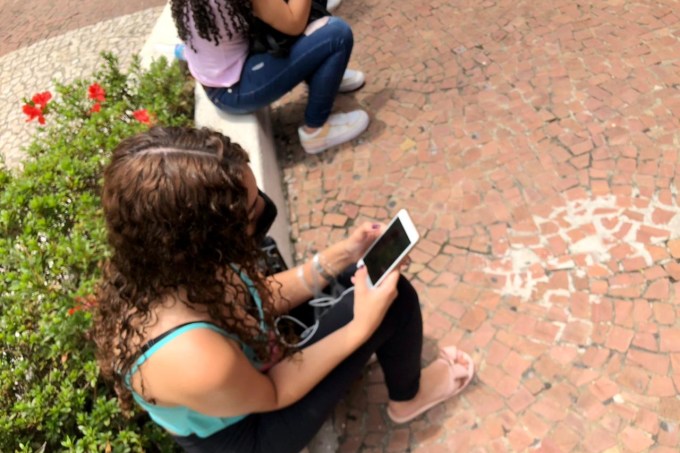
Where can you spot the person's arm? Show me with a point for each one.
(290, 18)
(296, 285)
(216, 379)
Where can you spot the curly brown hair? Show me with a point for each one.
(206, 16)
(176, 210)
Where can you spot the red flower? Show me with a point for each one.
(37, 106)
(83, 303)
(41, 99)
(96, 107)
(142, 116)
(96, 92)
(34, 112)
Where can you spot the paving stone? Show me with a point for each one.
(32, 69)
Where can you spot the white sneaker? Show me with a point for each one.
(352, 80)
(340, 128)
(332, 5)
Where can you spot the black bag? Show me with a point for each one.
(264, 38)
(273, 261)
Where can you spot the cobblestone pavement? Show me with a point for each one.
(64, 56)
(26, 22)
(536, 146)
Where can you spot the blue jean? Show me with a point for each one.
(320, 59)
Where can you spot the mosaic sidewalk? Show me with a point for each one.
(536, 146)
(59, 40)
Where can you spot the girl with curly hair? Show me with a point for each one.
(186, 320)
(216, 33)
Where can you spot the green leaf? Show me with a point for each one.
(52, 240)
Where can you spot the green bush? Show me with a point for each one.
(52, 239)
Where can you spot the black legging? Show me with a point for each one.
(398, 344)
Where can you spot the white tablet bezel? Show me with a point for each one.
(413, 237)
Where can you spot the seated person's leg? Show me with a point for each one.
(299, 422)
(320, 59)
(323, 130)
(265, 78)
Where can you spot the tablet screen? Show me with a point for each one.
(386, 250)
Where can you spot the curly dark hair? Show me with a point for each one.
(176, 210)
(205, 18)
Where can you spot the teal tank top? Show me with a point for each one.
(179, 419)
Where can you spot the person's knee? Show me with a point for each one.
(407, 300)
(405, 287)
(342, 32)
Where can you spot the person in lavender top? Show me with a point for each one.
(237, 80)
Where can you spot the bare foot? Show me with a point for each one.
(435, 384)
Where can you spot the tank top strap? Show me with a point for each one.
(252, 289)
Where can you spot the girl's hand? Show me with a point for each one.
(361, 238)
(371, 304)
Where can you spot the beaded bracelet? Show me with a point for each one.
(316, 284)
(326, 265)
(316, 263)
(301, 276)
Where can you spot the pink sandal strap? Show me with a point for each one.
(458, 371)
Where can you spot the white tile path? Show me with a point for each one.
(74, 54)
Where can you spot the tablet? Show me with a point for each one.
(390, 248)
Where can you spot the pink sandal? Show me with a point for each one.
(449, 355)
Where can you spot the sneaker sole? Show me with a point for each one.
(351, 87)
(340, 139)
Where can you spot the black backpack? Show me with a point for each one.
(264, 38)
